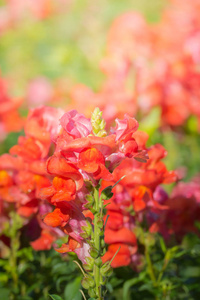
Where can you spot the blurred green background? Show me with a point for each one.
(69, 44)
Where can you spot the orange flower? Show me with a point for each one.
(61, 190)
(56, 218)
(60, 167)
(92, 161)
(70, 247)
(44, 242)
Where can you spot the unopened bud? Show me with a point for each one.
(103, 244)
(88, 266)
(98, 123)
(100, 223)
(106, 194)
(87, 230)
(98, 262)
(102, 124)
(92, 293)
(85, 283)
(102, 133)
(88, 186)
(88, 282)
(84, 235)
(94, 252)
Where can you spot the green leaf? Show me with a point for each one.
(72, 290)
(130, 283)
(55, 297)
(61, 279)
(162, 244)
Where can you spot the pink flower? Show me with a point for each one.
(76, 124)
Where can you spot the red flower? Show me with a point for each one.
(123, 257)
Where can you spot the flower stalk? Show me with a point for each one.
(96, 272)
(84, 159)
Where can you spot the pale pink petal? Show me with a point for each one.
(76, 124)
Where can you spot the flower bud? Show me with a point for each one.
(103, 251)
(102, 124)
(94, 252)
(100, 223)
(106, 194)
(84, 235)
(87, 268)
(89, 260)
(98, 262)
(89, 264)
(89, 187)
(85, 283)
(88, 282)
(103, 244)
(87, 230)
(92, 293)
(98, 123)
(102, 133)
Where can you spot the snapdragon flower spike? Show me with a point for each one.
(84, 155)
(137, 197)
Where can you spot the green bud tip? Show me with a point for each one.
(98, 123)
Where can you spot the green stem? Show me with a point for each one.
(97, 243)
(165, 264)
(14, 246)
(13, 262)
(150, 266)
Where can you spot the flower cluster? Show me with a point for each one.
(84, 156)
(147, 67)
(23, 174)
(183, 211)
(137, 198)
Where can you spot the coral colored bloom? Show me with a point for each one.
(44, 242)
(93, 161)
(56, 218)
(61, 190)
(125, 126)
(123, 257)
